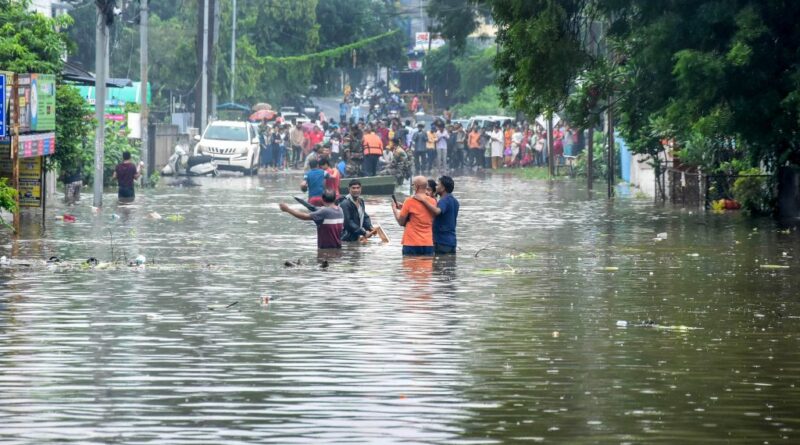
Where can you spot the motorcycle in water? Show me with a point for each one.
(181, 164)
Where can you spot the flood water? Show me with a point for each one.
(517, 339)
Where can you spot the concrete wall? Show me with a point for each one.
(164, 137)
(642, 175)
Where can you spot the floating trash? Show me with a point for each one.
(175, 218)
(140, 260)
(154, 215)
(773, 266)
(114, 217)
(622, 324)
(608, 269)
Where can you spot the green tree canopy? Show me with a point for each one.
(29, 42)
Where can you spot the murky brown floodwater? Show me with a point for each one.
(517, 344)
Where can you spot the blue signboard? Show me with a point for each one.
(2, 105)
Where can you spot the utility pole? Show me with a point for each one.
(611, 172)
(550, 161)
(100, 56)
(233, 51)
(204, 71)
(143, 90)
(590, 157)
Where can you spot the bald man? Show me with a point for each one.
(417, 220)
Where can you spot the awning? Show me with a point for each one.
(74, 73)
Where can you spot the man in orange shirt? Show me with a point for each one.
(417, 220)
(373, 150)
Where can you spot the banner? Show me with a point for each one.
(30, 182)
(40, 144)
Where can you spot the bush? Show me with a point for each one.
(8, 198)
(116, 142)
(750, 190)
(599, 161)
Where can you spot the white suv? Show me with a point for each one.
(233, 145)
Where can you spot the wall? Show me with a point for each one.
(164, 137)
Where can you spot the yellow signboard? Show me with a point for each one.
(30, 182)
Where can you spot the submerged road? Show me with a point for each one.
(517, 338)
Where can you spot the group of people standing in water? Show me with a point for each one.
(429, 224)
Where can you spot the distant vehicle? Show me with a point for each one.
(233, 145)
(464, 122)
(290, 115)
(483, 121)
(303, 105)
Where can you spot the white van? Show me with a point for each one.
(482, 121)
(234, 145)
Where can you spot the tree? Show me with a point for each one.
(345, 21)
(540, 54)
(29, 42)
(455, 20)
(74, 124)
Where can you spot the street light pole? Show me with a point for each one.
(233, 51)
(143, 50)
(100, 56)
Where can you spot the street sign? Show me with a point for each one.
(2, 105)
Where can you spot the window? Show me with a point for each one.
(226, 133)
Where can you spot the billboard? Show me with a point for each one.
(422, 41)
(37, 102)
(30, 182)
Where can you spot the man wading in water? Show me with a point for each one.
(328, 219)
(125, 173)
(446, 213)
(417, 220)
(357, 225)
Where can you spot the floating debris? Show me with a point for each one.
(154, 215)
(608, 269)
(175, 218)
(622, 324)
(773, 266)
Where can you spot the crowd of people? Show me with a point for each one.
(429, 224)
(400, 148)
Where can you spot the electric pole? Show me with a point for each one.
(233, 51)
(100, 56)
(611, 160)
(143, 90)
(204, 71)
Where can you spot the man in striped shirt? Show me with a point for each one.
(328, 218)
